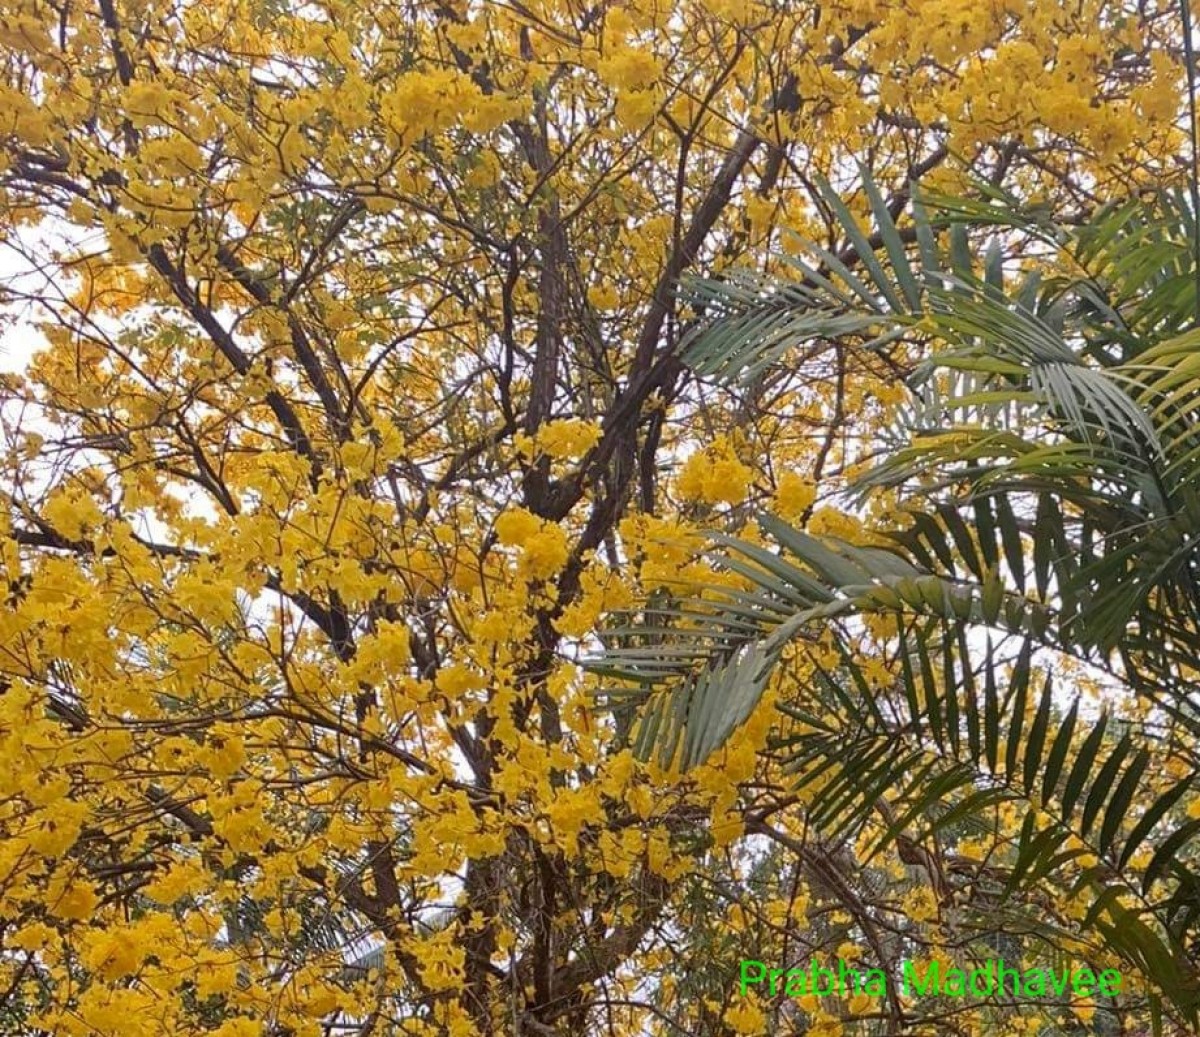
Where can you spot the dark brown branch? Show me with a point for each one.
(157, 256)
(252, 284)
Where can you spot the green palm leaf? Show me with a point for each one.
(1052, 436)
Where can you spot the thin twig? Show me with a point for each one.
(1194, 180)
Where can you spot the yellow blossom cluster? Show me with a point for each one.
(714, 475)
(543, 545)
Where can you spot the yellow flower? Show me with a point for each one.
(488, 112)
(630, 67)
(569, 812)
(456, 679)
(714, 476)
(568, 439)
(72, 514)
(746, 1017)
(545, 554)
(59, 829)
(77, 903)
(603, 296)
(113, 955)
(225, 756)
(516, 526)
(794, 494)
(859, 1003)
(636, 108)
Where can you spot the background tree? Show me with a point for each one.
(361, 406)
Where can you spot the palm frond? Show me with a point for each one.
(1052, 435)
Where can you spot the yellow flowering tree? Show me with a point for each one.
(360, 408)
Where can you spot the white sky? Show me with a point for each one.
(20, 256)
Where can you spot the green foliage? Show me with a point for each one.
(1048, 458)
